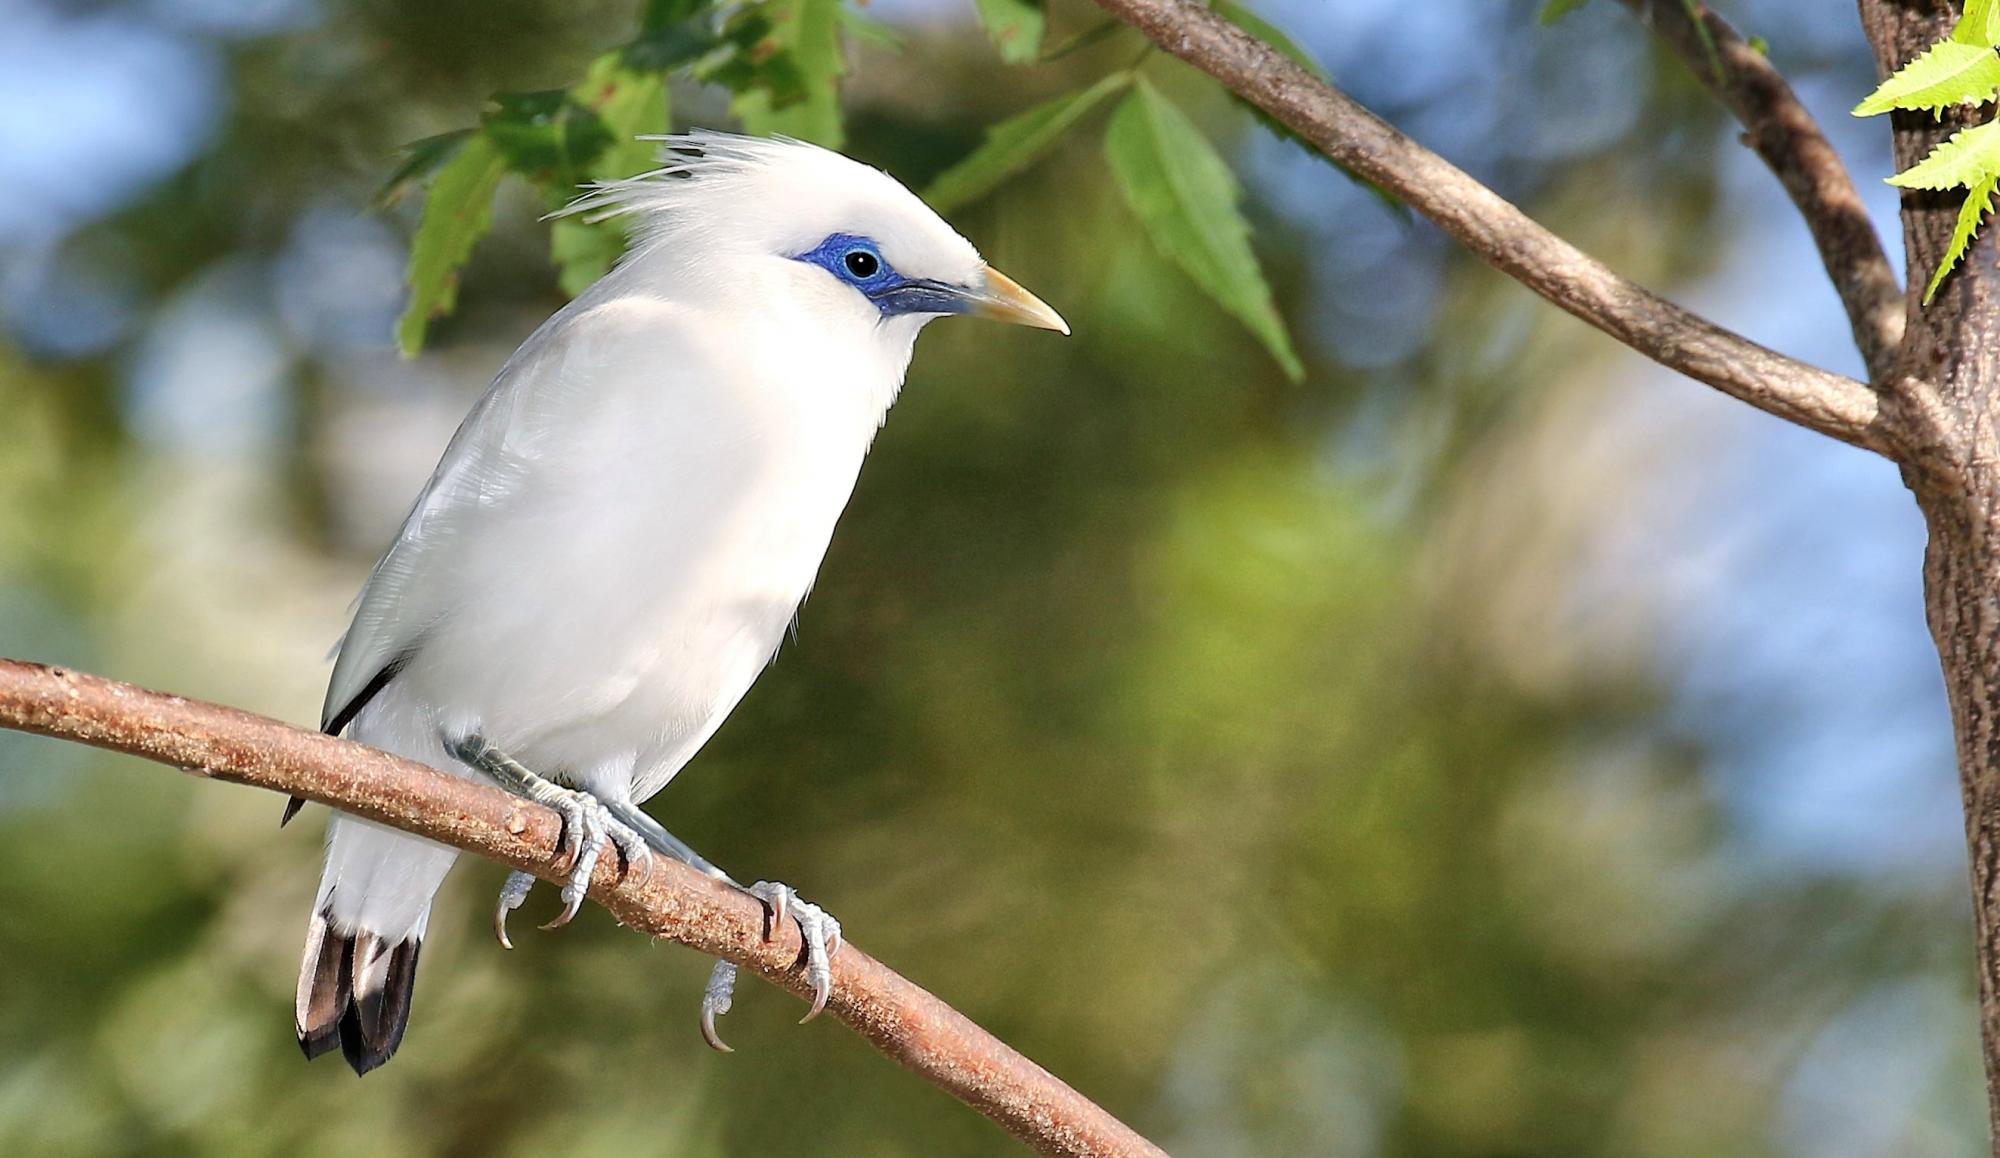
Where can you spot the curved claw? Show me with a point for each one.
(578, 884)
(633, 851)
(819, 932)
(511, 895)
(715, 1001)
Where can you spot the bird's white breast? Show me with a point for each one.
(661, 505)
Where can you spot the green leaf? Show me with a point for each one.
(1016, 27)
(666, 48)
(1084, 39)
(584, 251)
(795, 91)
(1185, 197)
(877, 32)
(1555, 10)
(630, 105)
(1270, 34)
(546, 136)
(1016, 143)
(1978, 202)
(420, 160)
(1949, 73)
(659, 14)
(1979, 24)
(457, 213)
(1967, 158)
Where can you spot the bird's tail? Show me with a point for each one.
(361, 953)
(354, 992)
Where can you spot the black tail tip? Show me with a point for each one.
(354, 992)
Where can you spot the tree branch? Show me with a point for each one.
(1504, 236)
(1789, 140)
(902, 1020)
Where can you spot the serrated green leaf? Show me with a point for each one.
(545, 136)
(1185, 196)
(1979, 24)
(1555, 10)
(668, 47)
(631, 105)
(458, 211)
(1968, 157)
(807, 34)
(1016, 26)
(1949, 73)
(1978, 202)
(420, 160)
(1016, 143)
(1270, 34)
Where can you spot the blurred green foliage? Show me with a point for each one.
(1178, 724)
(782, 62)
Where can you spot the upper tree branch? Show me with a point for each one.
(1789, 140)
(897, 1017)
(1503, 235)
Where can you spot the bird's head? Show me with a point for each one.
(843, 240)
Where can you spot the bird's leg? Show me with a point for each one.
(664, 842)
(819, 930)
(588, 825)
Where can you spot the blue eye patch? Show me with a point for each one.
(858, 262)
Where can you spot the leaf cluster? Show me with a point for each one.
(782, 63)
(780, 59)
(1962, 69)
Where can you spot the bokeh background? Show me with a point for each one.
(1493, 746)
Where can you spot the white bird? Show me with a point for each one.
(621, 531)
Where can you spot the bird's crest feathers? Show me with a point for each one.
(721, 191)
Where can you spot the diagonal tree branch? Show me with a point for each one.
(1509, 239)
(1791, 143)
(903, 1021)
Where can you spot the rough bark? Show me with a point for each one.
(902, 1020)
(1792, 144)
(1944, 393)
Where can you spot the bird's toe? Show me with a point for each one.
(512, 894)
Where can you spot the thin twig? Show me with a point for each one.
(902, 1020)
(1792, 144)
(1509, 239)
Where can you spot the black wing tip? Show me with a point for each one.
(337, 720)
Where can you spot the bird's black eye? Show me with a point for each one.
(861, 263)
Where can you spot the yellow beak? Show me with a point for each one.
(1003, 300)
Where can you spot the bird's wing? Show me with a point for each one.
(478, 475)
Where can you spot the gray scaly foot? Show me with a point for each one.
(817, 928)
(587, 827)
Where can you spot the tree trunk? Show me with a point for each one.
(1945, 402)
